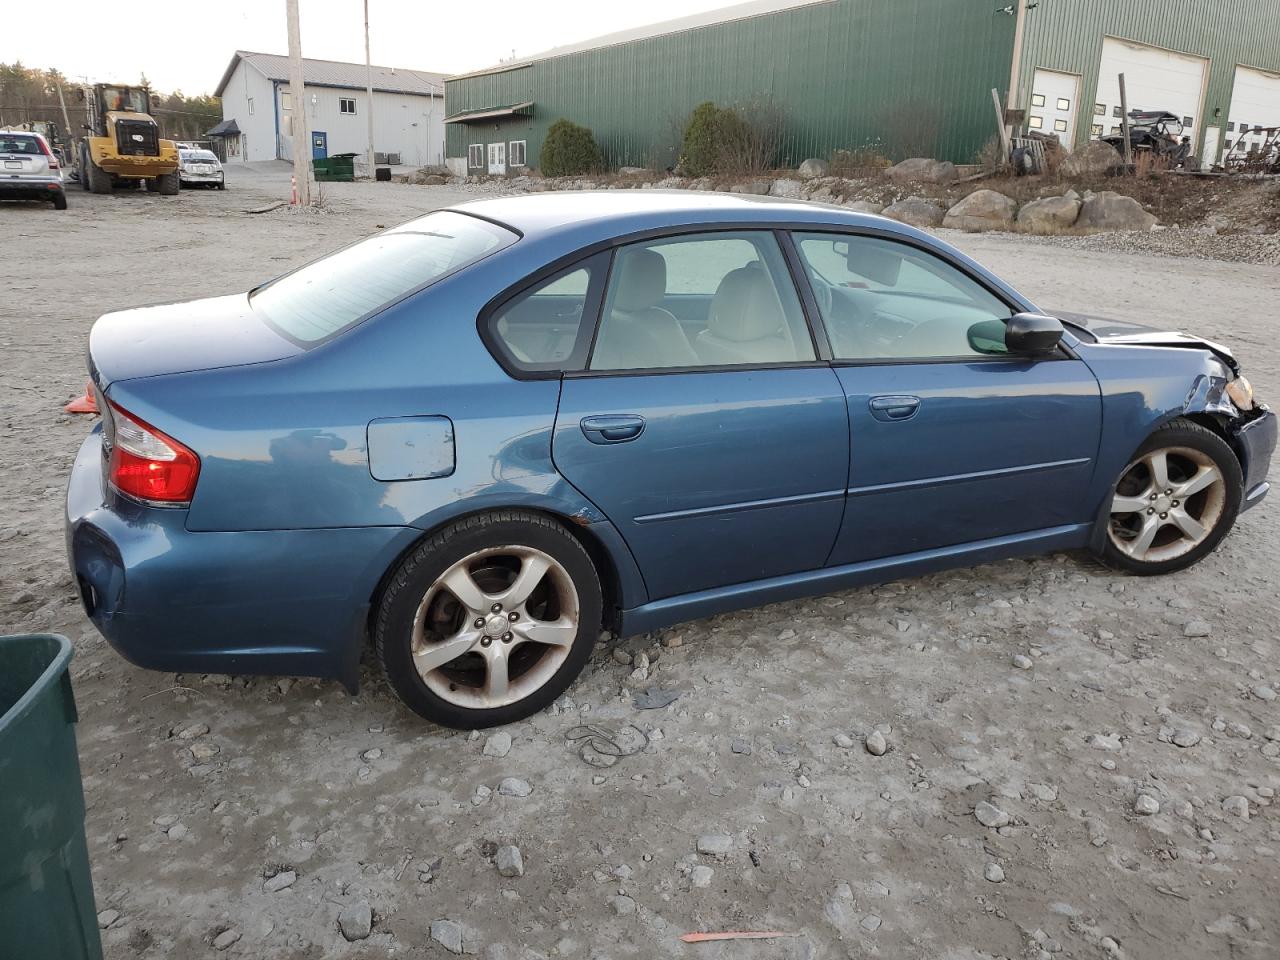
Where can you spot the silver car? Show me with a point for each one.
(29, 170)
(200, 167)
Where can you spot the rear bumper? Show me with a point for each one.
(1255, 443)
(29, 189)
(277, 602)
(199, 177)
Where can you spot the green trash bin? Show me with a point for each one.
(320, 168)
(46, 891)
(336, 168)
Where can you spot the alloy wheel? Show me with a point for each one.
(495, 627)
(1167, 503)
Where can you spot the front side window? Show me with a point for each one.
(541, 329)
(701, 300)
(324, 298)
(346, 105)
(884, 300)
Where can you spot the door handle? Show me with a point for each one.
(613, 429)
(890, 409)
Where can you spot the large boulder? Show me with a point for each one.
(813, 168)
(786, 188)
(1093, 158)
(1050, 215)
(922, 170)
(916, 211)
(1113, 211)
(982, 210)
(864, 206)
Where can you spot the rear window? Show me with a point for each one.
(19, 144)
(322, 299)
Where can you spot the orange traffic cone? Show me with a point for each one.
(85, 404)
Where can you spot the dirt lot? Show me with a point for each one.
(200, 788)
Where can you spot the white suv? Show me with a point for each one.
(29, 170)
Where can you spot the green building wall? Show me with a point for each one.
(906, 77)
(1067, 35)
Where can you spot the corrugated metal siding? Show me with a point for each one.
(1067, 35)
(910, 77)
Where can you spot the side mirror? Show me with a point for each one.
(1032, 334)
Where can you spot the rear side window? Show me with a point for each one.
(326, 297)
(541, 329)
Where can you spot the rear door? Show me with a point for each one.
(952, 439)
(716, 442)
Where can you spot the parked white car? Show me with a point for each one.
(197, 167)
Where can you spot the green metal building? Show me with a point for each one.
(904, 77)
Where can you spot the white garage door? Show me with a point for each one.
(1255, 104)
(1154, 79)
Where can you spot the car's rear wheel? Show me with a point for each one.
(1174, 502)
(59, 200)
(489, 620)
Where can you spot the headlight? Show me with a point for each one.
(1240, 390)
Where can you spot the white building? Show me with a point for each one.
(257, 110)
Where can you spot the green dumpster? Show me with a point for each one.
(338, 167)
(46, 891)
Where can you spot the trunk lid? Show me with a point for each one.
(182, 337)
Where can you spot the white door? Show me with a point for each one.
(498, 158)
(1154, 79)
(1054, 104)
(1255, 103)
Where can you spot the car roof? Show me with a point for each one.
(617, 212)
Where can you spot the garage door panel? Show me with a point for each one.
(1155, 79)
(1255, 102)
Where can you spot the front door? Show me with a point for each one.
(497, 159)
(952, 440)
(319, 145)
(714, 440)
(1054, 105)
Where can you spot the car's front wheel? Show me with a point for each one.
(1174, 502)
(489, 620)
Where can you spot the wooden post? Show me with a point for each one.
(1124, 127)
(297, 93)
(1000, 125)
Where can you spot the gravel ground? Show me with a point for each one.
(1026, 759)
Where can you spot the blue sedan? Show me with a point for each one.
(477, 439)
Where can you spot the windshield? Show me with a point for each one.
(128, 99)
(324, 298)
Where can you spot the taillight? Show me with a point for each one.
(147, 464)
(53, 161)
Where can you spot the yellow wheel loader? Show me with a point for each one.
(121, 145)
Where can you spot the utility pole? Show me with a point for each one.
(65, 119)
(297, 93)
(368, 84)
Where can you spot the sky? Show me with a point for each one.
(178, 51)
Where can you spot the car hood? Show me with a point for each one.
(1126, 333)
(182, 337)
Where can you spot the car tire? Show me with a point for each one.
(1187, 519)
(437, 632)
(222, 184)
(167, 184)
(60, 200)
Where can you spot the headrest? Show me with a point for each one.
(642, 280)
(745, 307)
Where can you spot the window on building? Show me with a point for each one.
(515, 153)
(1115, 111)
(286, 100)
(346, 105)
(475, 155)
(1096, 130)
(1188, 121)
(1037, 99)
(1060, 126)
(1115, 129)
(1099, 109)
(1035, 123)
(286, 124)
(1064, 103)
(1231, 127)
(251, 106)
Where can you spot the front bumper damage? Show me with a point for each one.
(1253, 437)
